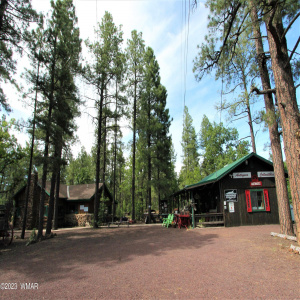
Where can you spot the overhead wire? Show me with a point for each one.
(186, 47)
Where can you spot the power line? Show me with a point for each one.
(186, 47)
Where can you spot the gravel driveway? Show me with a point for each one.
(152, 262)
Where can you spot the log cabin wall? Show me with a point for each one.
(241, 215)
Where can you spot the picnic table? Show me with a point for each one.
(182, 220)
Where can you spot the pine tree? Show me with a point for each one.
(58, 54)
(153, 124)
(219, 145)
(15, 17)
(190, 170)
(163, 163)
(286, 226)
(81, 169)
(272, 13)
(286, 97)
(135, 54)
(100, 74)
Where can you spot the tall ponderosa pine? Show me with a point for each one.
(286, 226)
(59, 56)
(106, 56)
(149, 124)
(285, 95)
(15, 17)
(135, 55)
(190, 171)
(272, 13)
(163, 160)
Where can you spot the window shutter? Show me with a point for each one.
(248, 201)
(267, 201)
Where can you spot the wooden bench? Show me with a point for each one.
(211, 218)
(212, 223)
(118, 223)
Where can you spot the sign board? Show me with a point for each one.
(264, 174)
(231, 207)
(241, 175)
(255, 181)
(84, 208)
(231, 195)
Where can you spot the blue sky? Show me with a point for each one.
(165, 29)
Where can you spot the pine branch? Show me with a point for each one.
(296, 45)
(290, 25)
(258, 92)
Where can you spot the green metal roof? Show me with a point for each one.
(216, 176)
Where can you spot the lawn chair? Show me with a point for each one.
(168, 221)
(165, 220)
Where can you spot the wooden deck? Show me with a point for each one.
(210, 219)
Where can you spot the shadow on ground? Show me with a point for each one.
(93, 248)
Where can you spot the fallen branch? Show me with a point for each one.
(294, 249)
(284, 236)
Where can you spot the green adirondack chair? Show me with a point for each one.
(169, 222)
(165, 220)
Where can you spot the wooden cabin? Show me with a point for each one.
(241, 193)
(75, 204)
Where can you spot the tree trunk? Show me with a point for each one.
(51, 202)
(287, 105)
(43, 187)
(31, 156)
(149, 163)
(99, 139)
(286, 226)
(3, 6)
(54, 189)
(115, 149)
(104, 117)
(46, 150)
(97, 177)
(250, 122)
(133, 149)
(55, 225)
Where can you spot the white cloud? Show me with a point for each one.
(164, 29)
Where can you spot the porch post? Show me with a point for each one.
(193, 210)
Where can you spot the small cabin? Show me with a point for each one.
(75, 204)
(241, 193)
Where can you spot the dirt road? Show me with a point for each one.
(151, 262)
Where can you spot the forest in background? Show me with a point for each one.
(126, 82)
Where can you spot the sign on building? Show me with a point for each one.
(264, 174)
(231, 195)
(241, 175)
(231, 207)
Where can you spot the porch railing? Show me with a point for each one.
(210, 218)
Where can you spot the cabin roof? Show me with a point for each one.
(216, 176)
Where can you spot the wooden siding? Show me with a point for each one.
(241, 216)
